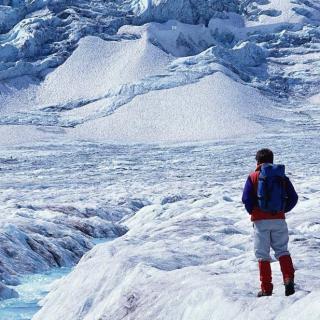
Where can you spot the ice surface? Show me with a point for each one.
(31, 290)
(38, 232)
(76, 75)
(36, 36)
(7, 293)
(193, 11)
(31, 46)
(188, 254)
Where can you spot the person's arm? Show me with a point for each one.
(292, 196)
(248, 196)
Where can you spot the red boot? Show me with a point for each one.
(265, 278)
(287, 270)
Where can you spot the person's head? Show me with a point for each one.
(264, 156)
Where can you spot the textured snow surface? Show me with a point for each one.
(83, 82)
(47, 220)
(189, 253)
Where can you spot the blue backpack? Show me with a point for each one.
(271, 191)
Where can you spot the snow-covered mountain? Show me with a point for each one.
(138, 120)
(118, 50)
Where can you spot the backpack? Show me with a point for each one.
(271, 190)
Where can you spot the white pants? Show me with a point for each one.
(270, 233)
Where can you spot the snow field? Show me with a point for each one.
(188, 251)
(189, 255)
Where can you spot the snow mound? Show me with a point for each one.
(97, 66)
(213, 108)
(101, 77)
(30, 45)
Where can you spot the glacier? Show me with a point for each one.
(188, 254)
(136, 122)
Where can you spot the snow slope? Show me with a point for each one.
(98, 66)
(279, 57)
(102, 76)
(92, 70)
(213, 108)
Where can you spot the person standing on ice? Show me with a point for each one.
(268, 194)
